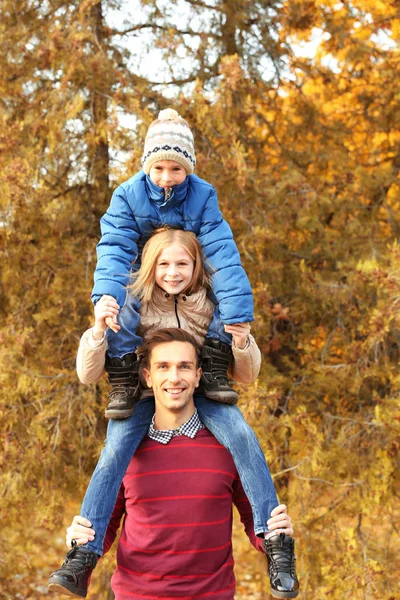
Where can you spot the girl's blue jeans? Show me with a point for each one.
(127, 340)
(225, 422)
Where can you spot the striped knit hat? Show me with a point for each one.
(169, 138)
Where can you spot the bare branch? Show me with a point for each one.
(155, 26)
(205, 5)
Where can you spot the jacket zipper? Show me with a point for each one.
(176, 311)
(167, 194)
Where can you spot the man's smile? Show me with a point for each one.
(174, 390)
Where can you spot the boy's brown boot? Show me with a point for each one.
(123, 374)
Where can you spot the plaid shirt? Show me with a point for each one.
(190, 429)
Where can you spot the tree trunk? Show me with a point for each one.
(99, 152)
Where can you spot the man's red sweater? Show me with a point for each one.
(176, 539)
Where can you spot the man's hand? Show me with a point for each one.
(105, 315)
(240, 333)
(280, 522)
(80, 531)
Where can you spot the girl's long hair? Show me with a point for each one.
(144, 279)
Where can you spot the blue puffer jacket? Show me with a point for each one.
(138, 207)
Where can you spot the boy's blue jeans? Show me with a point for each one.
(127, 340)
(225, 422)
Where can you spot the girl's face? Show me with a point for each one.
(167, 173)
(174, 269)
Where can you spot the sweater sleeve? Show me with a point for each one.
(247, 362)
(229, 281)
(116, 250)
(90, 361)
(114, 523)
(246, 516)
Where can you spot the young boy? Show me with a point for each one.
(166, 192)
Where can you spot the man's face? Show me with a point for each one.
(173, 374)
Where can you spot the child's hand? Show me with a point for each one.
(105, 315)
(80, 531)
(112, 323)
(240, 333)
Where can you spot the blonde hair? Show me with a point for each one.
(144, 279)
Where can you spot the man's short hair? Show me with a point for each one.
(164, 336)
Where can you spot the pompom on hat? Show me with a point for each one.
(169, 138)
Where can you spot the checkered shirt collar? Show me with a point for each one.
(190, 429)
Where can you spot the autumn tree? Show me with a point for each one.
(318, 190)
(304, 154)
(59, 131)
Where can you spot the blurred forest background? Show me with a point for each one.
(295, 108)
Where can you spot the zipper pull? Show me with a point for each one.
(167, 194)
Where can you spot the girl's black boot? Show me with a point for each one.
(215, 360)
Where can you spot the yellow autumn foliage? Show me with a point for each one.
(304, 153)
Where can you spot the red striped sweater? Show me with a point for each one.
(176, 536)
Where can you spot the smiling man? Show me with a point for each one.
(173, 374)
(176, 500)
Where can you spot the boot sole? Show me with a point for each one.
(222, 397)
(277, 594)
(118, 415)
(62, 589)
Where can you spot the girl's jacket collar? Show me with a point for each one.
(163, 299)
(157, 194)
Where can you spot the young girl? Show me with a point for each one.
(172, 285)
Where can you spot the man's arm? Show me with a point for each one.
(81, 530)
(230, 283)
(279, 522)
(115, 521)
(246, 516)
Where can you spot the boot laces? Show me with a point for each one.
(220, 375)
(119, 391)
(77, 560)
(281, 555)
(121, 386)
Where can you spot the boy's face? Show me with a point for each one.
(167, 173)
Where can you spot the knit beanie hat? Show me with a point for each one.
(169, 138)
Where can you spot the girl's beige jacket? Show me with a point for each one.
(192, 313)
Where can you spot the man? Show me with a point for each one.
(177, 497)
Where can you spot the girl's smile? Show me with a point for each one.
(174, 269)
